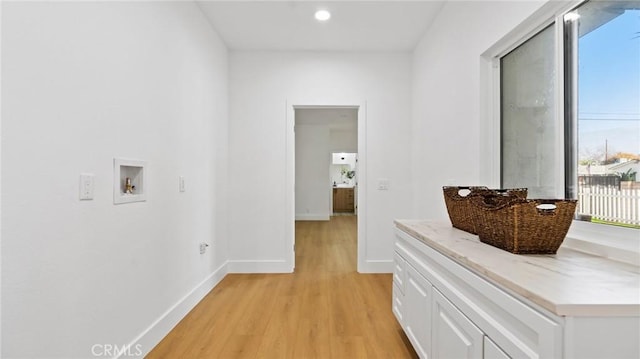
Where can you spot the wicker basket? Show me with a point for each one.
(524, 226)
(464, 214)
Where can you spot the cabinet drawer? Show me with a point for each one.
(397, 305)
(399, 271)
(491, 350)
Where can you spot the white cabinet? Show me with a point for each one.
(491, 350)
(398, 287)
(398, 303)
(398, 271)
(454, 335)
(417, 301)
(450, 307)
(448, 312)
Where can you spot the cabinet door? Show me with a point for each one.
(454, 335)
(492, 351)
(399, 269)
(397, 306)
(349, 204)
(417, 305)
(399, 266)
(340, 201)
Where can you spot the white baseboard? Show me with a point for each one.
(377, 266)
(251, 266)
(165, 323)
(311, 217)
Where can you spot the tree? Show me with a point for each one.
(592, 156)
(630, 175)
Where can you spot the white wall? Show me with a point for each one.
(312, 186)
(449, 145)
(344, 140)
(261, 83)
(84, 82)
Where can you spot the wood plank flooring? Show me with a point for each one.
(323, 310)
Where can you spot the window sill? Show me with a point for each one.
(616, 243)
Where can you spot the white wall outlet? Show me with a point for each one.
(383, 184)
(203, 247)
(86, 186)
(181, 183)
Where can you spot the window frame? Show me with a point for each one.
(615, 242)
(558, 121)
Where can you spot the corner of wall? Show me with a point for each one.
(151, 336)
(376, 266)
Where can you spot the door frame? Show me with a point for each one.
(290, 173)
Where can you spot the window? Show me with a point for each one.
(604, 56)
(527, 107)
(579, 136)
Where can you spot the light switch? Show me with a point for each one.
(181, 183)
(86, 186)
(383, 184)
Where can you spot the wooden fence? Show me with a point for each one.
(610, 203)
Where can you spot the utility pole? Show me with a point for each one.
(606, 149)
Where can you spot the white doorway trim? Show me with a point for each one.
(0, 167)
(290, 173)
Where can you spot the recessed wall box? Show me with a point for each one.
(129, 181)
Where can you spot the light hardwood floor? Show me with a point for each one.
(323, 310)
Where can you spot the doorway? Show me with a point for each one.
(314, 133)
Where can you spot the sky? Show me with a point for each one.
(609, 86)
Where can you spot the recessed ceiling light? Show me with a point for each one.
(323, 15)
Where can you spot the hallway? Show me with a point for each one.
(324, 310)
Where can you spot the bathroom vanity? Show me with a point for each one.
(456, 297)
(343, 200)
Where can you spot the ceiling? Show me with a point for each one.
(290, 25)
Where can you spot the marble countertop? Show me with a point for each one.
(569, 283)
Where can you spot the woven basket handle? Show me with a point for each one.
(464, 191)
(547, 209)
(456, 191)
